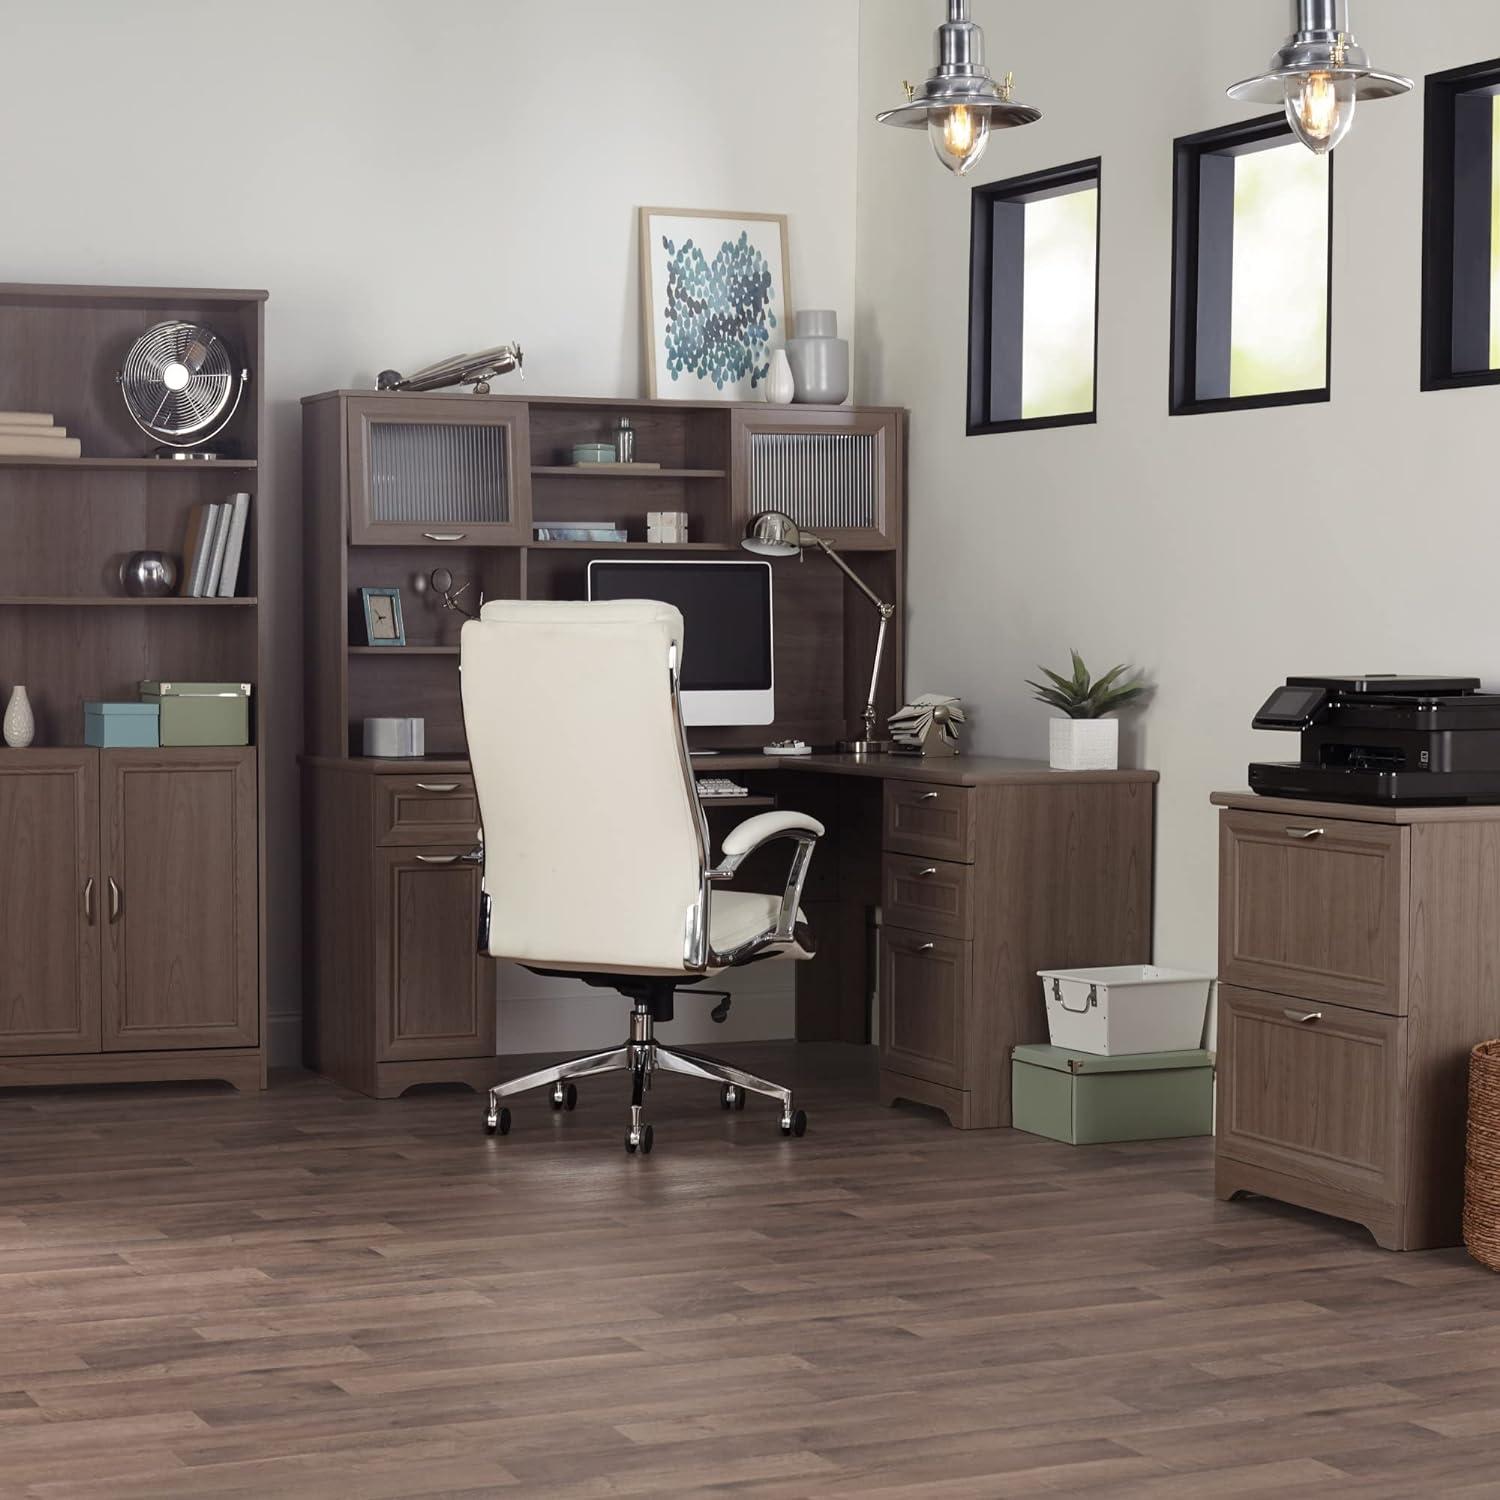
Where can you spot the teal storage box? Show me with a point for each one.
(122, 726)
(1085, 1100)
(201, 713)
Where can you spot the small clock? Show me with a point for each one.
(384, 625)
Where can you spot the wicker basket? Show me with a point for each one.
(1482, 1173)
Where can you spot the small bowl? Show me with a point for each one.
(593, 453)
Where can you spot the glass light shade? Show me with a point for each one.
(1320, 108)
(958, 135)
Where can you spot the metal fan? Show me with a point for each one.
(180, 386)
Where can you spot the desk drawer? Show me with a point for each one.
(1312, 1091)
(434, 809)
(924, 1002)
(932, 822)
(1314, 907)
(929, 895)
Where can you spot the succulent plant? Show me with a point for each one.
(1079, 697)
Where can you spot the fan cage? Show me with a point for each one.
(180, 385)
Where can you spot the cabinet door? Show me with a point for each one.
(438, 471)
(838, 473)
(49, 901)
(180, 900)
(924, 995)
(1312, 1090)
(436, 993)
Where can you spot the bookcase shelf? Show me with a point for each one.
(121, 601)
(607, 471)
(403, 651)
(158, 465)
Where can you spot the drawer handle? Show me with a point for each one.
(929, 796)
(928, 873)
(437, 859)
(445, 536)
(1305, 833)
(437, 786)
(1303, 1017)
(925, 947)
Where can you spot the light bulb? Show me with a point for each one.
(959, 135)
(1320, 109)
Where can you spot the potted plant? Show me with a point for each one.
(1084, 739)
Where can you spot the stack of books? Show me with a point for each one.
(215, 547)
(32, 434)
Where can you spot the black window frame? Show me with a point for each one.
(986, 280)
(1452, 146)
(1188, 268)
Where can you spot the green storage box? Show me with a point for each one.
(1084, 1100)
(201, 713)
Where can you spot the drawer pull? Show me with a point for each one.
(925, 947)
(437, 786)
(1303, 1017)
(437, 859)
(928, 873)
(445, 536)
(1305, 833)
(929, 796)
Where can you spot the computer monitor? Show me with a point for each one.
(728, 672)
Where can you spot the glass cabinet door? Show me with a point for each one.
(438, 470)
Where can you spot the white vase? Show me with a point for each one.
(1085, 744)
(780, 386)
(20, 725)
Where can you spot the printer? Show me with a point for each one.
(1386, 739)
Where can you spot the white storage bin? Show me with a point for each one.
(1132, 1008)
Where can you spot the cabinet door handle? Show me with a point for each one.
(437, 786)
(925, 947)
(1303, 1017)
(928, 873)
(437, 859)
(1305, 833)
(929, 796)
(114, 901)
(88, 901)
(445, 536)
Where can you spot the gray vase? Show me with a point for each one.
(819, 358)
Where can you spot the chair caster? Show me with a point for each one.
(500, 1123)
(794, 1124)
(731, 1097)
(639, 1140)
(565, 1097)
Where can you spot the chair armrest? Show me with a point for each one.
(745, 838)
(755, 833)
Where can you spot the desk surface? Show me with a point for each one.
(955, 770)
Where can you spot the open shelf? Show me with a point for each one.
(193, 466)
(403, 651)
(122, 601)
(610, 471)
(628, 547)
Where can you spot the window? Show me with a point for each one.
(1251, 277)
(1034, 300)
(1461, 231)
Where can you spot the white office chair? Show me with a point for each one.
(596, 853)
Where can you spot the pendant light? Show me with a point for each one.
(960, 103)
(1320, 75)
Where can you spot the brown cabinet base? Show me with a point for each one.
(965, 1110)
(1383, 1220)
(244, 1067)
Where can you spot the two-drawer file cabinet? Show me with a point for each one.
(1359, 960)
(986, 878)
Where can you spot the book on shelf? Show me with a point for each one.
(25, 446)
(229, 574)
(223, 517)
(197, 549)
(30, 430)
(25, 418)
(578, 531)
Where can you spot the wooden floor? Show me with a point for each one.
(308, 1293)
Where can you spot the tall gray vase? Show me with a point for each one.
(819, 358)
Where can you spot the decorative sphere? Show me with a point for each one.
(149, 575)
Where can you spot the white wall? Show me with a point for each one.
(1221, 553)
(408, 181)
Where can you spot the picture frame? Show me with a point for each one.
(690, 357)
(384, 623)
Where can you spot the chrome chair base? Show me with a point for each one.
(641, 1057)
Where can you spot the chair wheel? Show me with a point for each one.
(500, 1122)
(731, 1097)
(647, 1137)
(643, 1145)
(630, 1142)
(797, 1125)
(565, 1097)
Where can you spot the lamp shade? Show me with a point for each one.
(773, 533)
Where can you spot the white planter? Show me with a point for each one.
(1129, 1009)
(1085, 744)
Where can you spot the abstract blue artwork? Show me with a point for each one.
(715, 293)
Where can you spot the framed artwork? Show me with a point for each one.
(383, 623)
(715, 294)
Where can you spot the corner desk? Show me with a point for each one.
(983, 870)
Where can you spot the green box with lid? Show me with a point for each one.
(201, 713)
(1084, 1100)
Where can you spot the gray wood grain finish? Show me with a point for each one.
(314, 1294)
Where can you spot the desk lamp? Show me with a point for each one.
(773, 533)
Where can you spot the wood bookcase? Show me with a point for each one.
(384, 1007)
(131, 881)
